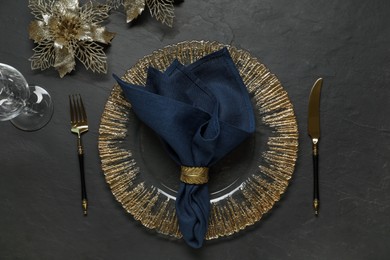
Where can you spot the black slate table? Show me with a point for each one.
(345, 42)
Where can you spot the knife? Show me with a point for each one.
(314, 133)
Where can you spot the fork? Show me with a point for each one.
(79, 125)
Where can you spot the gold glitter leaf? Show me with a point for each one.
(94, 14)
(43, 57)
(114, 3)
(92, 56)
(162, 10)
(40, 7)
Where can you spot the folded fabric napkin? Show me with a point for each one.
(201, 112)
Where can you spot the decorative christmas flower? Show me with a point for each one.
(162, 10)
(65, 31)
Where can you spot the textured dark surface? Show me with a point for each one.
(345, 42)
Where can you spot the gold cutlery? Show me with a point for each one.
(79, 125)
(314, 133)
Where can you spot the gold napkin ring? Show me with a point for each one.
(194, 175)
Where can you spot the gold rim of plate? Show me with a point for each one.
(254, 197)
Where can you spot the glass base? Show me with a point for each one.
(38, 111)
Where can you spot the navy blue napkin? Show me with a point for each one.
(201, 112)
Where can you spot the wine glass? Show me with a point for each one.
(28, 107)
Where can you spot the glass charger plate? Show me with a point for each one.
(243, 186)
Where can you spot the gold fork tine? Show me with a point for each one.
(79, 114)
(72, 114)
(82, 110)
(78, 109)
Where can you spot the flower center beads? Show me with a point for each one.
(68, 27)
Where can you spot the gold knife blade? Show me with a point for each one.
(314, 110)
(314, 133)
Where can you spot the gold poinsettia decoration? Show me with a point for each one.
(65, 31)
(162, 10)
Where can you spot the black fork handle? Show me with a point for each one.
(84, 199)
(316, 190)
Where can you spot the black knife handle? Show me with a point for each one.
(84, 200)
(316, 192)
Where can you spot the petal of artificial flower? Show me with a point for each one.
(64, 61)
(95, 33)
(133, 8)
(102, 35)
(38, 31)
